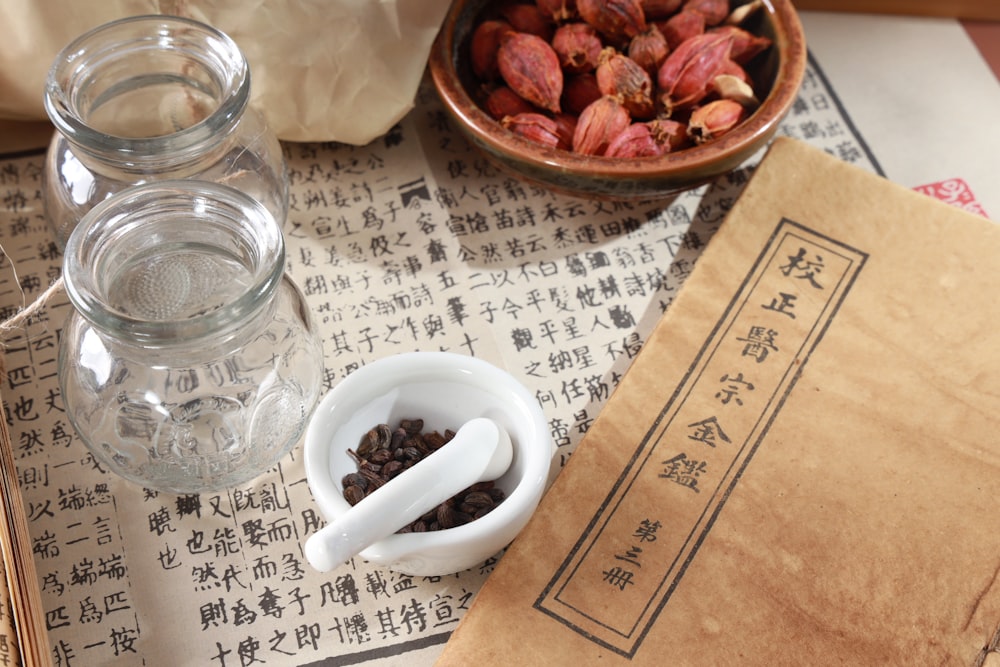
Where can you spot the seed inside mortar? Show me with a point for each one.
(384, 452)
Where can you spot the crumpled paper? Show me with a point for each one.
(321, 70)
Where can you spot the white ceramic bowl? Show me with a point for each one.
(445, 390)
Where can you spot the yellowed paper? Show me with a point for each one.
(8, 632)
(23, 637)
(799, 467)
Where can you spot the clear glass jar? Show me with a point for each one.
(189, 363)
(151, 98)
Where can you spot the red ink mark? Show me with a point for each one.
(956, 192)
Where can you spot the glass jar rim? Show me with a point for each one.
(109, 41)
(136, 218)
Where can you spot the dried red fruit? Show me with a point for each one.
(656, 10)
(649, 49)
(715, 119)
(483, 47)
(578, 46)
(714, 11)
(557, 11)
(687, 73)
(671, 134)
(621, 77)
(579, 91)
(681, 27)
(746, 45)
(610, 66)
(531, 68)
(617, 19)
(634, 142)
(534, 126)
(732, 69)
(599, 123)
(565, 129)
(502, 101)
(529, 19)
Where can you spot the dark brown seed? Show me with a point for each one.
(412, 426)
(434, 440)
(354, 479)
(353, 494)
(449, 517)
(383, 453)
(478, 499)
(374, 478)
(420, 443)
(391, 469)
(380, 456)
(446, 516)
(376, 438)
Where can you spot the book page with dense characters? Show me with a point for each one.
(412, 242)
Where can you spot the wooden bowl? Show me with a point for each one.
(777, 75)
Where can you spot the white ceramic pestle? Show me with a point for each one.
(480, 451)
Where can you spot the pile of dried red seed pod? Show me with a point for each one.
(618, 78)
(384, 452)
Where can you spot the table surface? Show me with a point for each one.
(560, 292)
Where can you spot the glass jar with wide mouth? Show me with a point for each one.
(189, 363)
(149, 98)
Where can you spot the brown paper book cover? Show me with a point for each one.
(802, 465)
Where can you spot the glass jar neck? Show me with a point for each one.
(148, 93)
(174, 262)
